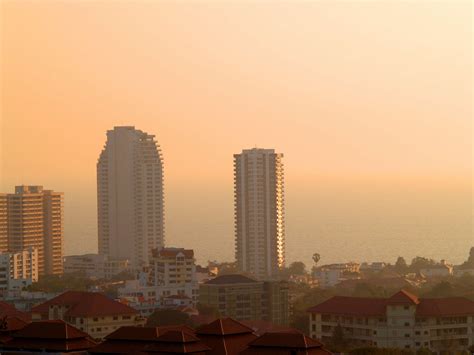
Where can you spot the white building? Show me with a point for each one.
(172, 272)
(333, 274)
(130, 196)
(95, 265)
(259, 212)
(404, 321)
(18, 269)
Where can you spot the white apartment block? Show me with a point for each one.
(18, 269)
(259, 212)
(442, 325)
(130, 196)
(173, 272)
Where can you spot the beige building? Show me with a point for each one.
(95, 265)
(35, 219)
(259, 212)
(243, 298)
(18, 269)
(130, 196)
(3, 223)
(90, 312)
(402, 321)
(173, 272)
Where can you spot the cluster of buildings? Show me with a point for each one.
(31, 236)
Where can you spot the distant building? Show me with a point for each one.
(374, 267)
(402, 321)
(173, 271)
(333, 274)
(95, 265)
(243, 298)
(90, 312)
(34, 218)
(259, 212)
(442, 269)
(130, 196)
(18, 269)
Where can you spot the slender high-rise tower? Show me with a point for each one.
(259, 212)
(130, 196)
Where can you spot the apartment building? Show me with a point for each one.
(244, 298)
(95, 265)
(91, 312)
(401, 321)
(259, 212)
(130, 196)
(173, 272)
(18, 270)
(35, 219)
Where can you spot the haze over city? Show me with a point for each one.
(374, 118)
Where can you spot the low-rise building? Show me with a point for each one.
(244, 298)
(18, 270)
(401, 321)
(95, 265)
(442, 269)
(90, 312)
(331, 275)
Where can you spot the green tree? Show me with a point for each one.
(420, 262)
(401, 265)
(297, 268)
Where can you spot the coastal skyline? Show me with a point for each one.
(374, 119)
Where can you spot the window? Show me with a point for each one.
(95, 319)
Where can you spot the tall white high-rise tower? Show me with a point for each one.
(259, 212)
(130, 196)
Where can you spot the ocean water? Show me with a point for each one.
(341, 224)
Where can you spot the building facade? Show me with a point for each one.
(130, 196)
(35, 220)
(91, 312)
(259, 212)
(95, 265)
(18, 270)
(243, 298)
(402, 321)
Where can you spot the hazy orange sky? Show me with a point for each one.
(365, 99)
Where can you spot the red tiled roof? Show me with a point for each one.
(50, 336)
(455, 306)
(85, 304)
(11, 324)
(261, 327)
(224, 326)
(355, 306)
(127, 340)
(404, 298)
(286, 340)
(285, 344)
(226, 336)
(9, 310)
(176, 341)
